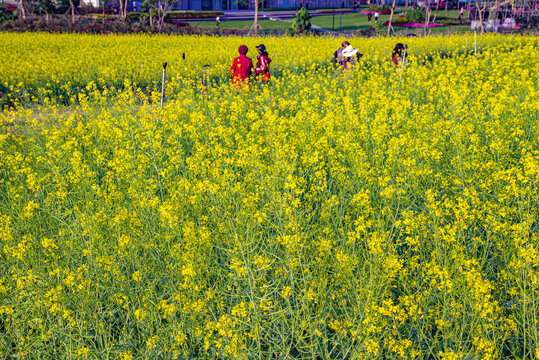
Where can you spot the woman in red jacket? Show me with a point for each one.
(262, 64)
(242, 68)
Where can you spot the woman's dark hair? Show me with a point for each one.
(398, 49)
(262, 49)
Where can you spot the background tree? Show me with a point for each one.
(435, 16)
(255, 28)
(46, 8)
(302, 21)
(69, 5)
(123, 9)
(21, 10)
(151, 11)
(481, 12)
(157, 9)
(256, 25)
(428, 15)
(390, 25)
(72, 6)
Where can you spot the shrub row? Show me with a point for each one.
(96, 26)
(177, 15)
(331, 11)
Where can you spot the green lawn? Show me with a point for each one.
(356, 21)
(348, 22)
(243, 24)
(345, 22)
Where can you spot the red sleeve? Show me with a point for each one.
(233, 67)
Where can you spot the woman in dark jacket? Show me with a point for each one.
(262, 64)
(399, 54)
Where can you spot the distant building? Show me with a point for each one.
(227, 5)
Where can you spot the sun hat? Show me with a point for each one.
(349, 51)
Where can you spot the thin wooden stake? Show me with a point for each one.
(402, 65)
(163, 84)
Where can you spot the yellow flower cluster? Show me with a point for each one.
(380, 214)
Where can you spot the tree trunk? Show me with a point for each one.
(256, 18)
(162, 11)
(497, 5)
(480, 13)
(125, 10)
(435, 16)
(427, 18)
(161, 19)
(72, 11)
(121, 9)
(390, 24)
(22, 12)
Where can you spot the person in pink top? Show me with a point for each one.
(242, 68)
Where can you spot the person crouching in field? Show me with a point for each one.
(262, 65)
(339, 58)
(399, 54)
(337, 55)
(350, 55)
(242, 68)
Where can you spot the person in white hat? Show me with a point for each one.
(338, 56)
(350, 55)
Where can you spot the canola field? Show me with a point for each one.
(329, 215)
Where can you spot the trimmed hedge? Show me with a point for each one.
(193, 15)
(173, 16)
(96, 16)
(331, 11)
(84, 10)
(91, 26)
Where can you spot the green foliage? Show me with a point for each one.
(302, 21)
(401, 19)
(6, 17)
(379, 8)
(193, 14)
(379, 29)
(416, 15)
(101, 17)
(297, 222)
(63, 5)
(137, 16)
(46, 6)
(529, 23)
(151, 9)
(177, 14)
